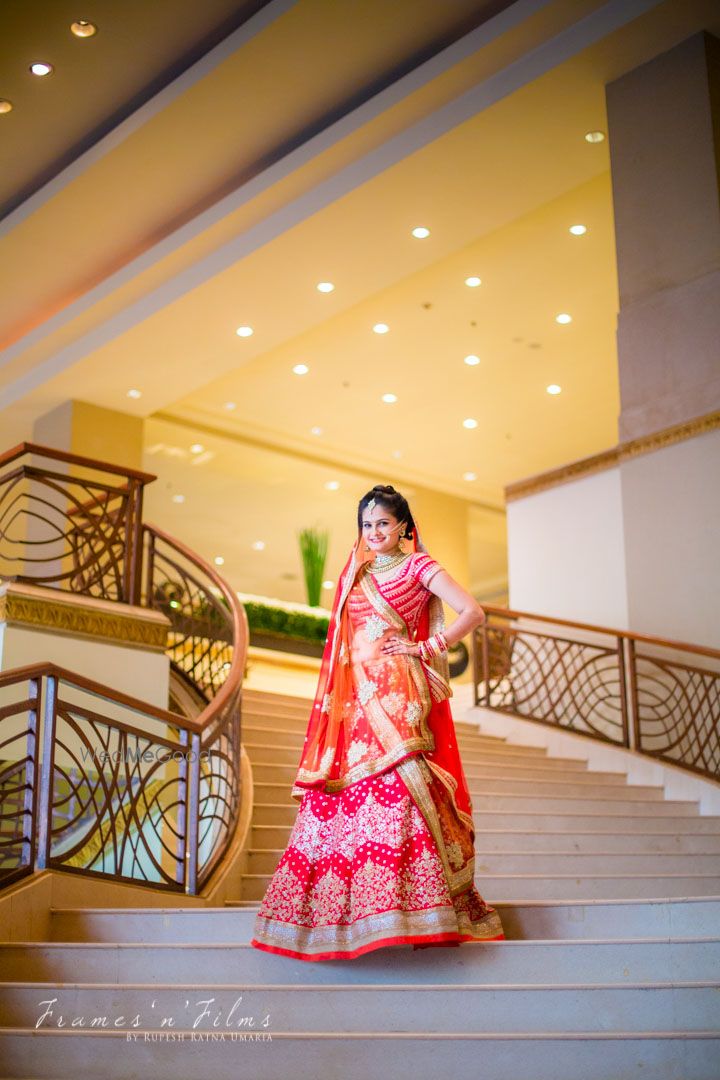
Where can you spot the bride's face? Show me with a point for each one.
(380, 529)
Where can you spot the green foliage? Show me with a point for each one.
(313, 550)
(263, 618)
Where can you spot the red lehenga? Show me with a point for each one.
(382, 849)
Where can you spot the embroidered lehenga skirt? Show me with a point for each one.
(362, 871)
(382, 848)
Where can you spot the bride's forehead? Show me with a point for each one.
(378, 513)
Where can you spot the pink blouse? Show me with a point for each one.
(407, 592)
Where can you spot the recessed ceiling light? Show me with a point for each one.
(5, 106)
(553, 388)
(421, 233)
(470, 423)
(197, 448)
(41, 69)
(389, 399)
(325, 286)
(83, 29)
(244, 331)
(219, 560)
(230, 405)
(469, 476)
(301, 369)
(328, 584)
(134, 393)
(473, 282)
(381, 328)
(258, 545)
(178, 498)
(563, 317)
(316, 430)
(594, 136)
(472, 360)
(397, 454)
(578, 230)
(332, 485)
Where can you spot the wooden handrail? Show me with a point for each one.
(510, 613)
(73, 459)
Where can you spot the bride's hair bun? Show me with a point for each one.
(394, 502)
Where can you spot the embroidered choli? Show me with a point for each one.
(407, 591)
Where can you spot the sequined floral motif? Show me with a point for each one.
(326, 703)
(392, 703)
(455, 855)
(366, 689)
(413, 712)
(356, 751)
(327, 759)
(375, 627)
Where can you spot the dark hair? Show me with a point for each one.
(392, 500)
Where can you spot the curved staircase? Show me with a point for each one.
(609, 894)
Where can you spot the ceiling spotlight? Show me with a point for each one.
(381, 328)
(396, 454)
(301, 369)
(472, 360)
(197, 448)
(469, 476)
(421, 233)
(258, 545)
(316, 430)
(178, 498)
(230, 405)
(5, 106)
(553, 388)
(244, 331)
(470, 423)
(389, 399)
(578, 230)
(473, 282)
(594, 136)
(219, 560)
(563, 317)
(83, 29)
(41, 70)
(134, 393)
(325, 286)
(328, 584)
(332, 485)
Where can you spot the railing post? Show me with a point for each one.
(192, 816)
(622, 675)
(634, 726)
(486, 662)
(30, 802)
(475, 666)
(44, 826)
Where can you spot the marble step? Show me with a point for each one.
(489, 840)
(264, 861)
(261, 747)
(368, 1007)
(306, 1056)
(269, 770)
(595, 919)
(519, 815)
(545, 795)
(559, 962)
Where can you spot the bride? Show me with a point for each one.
(382, 849)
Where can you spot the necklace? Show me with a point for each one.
(382, 563)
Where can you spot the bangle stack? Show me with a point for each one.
(432, 646)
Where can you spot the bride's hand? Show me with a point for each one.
(394, 646)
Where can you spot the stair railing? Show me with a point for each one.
(649, 694)
(95, 781)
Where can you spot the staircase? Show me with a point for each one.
(609, 895)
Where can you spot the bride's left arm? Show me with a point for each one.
(469, 612)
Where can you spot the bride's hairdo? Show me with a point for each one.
(386, 495)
